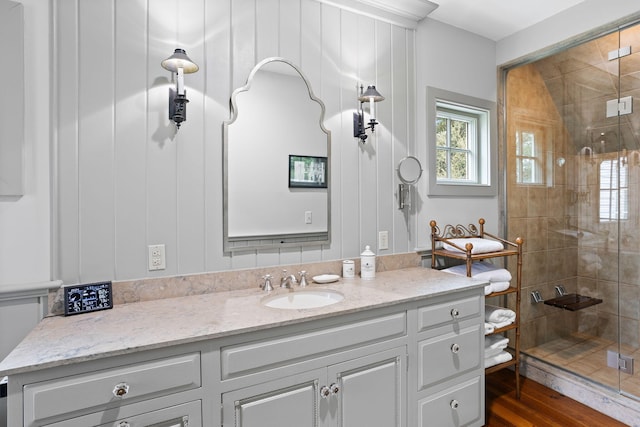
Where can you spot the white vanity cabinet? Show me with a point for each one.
(414, 361)
(450, 371)
(360, 392)
(349, 374)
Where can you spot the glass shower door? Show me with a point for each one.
(629, 211)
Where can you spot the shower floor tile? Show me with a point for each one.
(587, 356)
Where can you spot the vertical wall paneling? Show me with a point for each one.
(161, 180)
(95, 135)
(243, 59)
(311, 66)
(330, 92)
(410, 236)
(190, 142)
(401, 141)
(130, 136)
(369, 155)
(66, 246)
(385, 131)
(216, 69)
(125, 179)
(267, 29)
(290, 30)
(350, 150)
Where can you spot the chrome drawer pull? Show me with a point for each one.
(124, 424)
(455, 313)
(121, 389)
(454, 404)
(455, 348)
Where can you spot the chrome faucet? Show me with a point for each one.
(266, 285)
(287, 280)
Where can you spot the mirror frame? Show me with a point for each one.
(271, 241)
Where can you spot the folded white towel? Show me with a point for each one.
(488, 289)
(499, 286)
(494, 344)
(483, 271)
(495, 341)
(489, 328)
(498, 325)
(495, 314)
(503, 356)
(480, 246)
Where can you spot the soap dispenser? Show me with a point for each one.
(367, 264)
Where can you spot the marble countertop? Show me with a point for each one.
(129, 328)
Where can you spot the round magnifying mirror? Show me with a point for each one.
(409, 170)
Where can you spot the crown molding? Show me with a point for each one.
(406, 13)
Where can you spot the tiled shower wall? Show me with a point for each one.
(562, 98)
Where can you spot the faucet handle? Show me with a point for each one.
(266, 286)
(303, 278)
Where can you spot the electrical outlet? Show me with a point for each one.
(383, 240)
(157, 259)
(307, 217)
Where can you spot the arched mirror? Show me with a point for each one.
(276, 162)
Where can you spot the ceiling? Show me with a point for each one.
(497, 19)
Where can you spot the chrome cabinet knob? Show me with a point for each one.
(121, 390)
(325, 392)
(454, 404)
(455, 313)
(335, 388)
(455, 348)
(124, 424)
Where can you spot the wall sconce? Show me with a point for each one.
(373, 96)
(180, 64)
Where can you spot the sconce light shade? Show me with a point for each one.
(373, 96)
(179, 59)
(180, 64)
(369, 94)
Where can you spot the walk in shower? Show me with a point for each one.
(572, 190)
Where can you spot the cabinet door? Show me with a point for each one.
(287, 402)
(370, 391)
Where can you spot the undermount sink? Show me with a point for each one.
(298, 299)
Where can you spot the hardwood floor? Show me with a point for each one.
(538, 406)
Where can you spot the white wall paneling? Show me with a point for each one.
(125, 179)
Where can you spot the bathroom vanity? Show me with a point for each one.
(404, 349)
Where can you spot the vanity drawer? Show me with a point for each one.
(449, 312)
(109, 388)
(459, 405)
(448, 354)
(243, 359)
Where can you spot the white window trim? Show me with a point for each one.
(487, 166)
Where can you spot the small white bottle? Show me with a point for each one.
(367, 264)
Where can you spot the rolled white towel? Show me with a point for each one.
(503, 356)
(498, 315)
(499, 286)
(482, 270)
(480, 245)
(488, 328)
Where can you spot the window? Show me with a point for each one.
(456, 145)
(529, 158)
(460, 131)
(614, 190)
